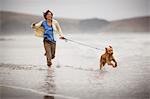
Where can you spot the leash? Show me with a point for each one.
(66, 39)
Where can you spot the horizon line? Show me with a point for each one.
(75, 18)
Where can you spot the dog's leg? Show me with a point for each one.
(101, 65)
(111, 64)
(115, 62)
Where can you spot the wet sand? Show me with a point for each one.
(15, 93)
(20, 93)
(75, 72)
(35, 82)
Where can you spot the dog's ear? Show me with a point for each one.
(110, 46)
(106, 49)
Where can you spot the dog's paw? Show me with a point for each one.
(114, 66)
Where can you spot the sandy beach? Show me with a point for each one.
(75, 73)
(22, 93)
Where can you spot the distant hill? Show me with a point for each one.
(17, 23)
(14, 23)
(139, 24)
(92, 25)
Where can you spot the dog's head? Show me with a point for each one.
(109, 50)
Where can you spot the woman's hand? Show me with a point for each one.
(61, 37)
(33, 24)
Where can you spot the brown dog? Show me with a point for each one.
(107, 57)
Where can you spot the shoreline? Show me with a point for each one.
(13, 92)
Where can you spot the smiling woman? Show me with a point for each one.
(49, 26)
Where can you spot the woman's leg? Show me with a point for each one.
(47, 46)
(53, 48)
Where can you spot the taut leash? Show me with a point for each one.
(83, 44)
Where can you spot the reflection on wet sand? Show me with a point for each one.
(48, 97)
(49, 85)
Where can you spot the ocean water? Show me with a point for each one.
(75, 72)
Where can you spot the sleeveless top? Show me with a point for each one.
(48, 33)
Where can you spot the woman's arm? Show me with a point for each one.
(59, 30)
(36, 25)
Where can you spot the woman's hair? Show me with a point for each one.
(45, 13)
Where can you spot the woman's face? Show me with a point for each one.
(49, 16)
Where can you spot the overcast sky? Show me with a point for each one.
(81, 9)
